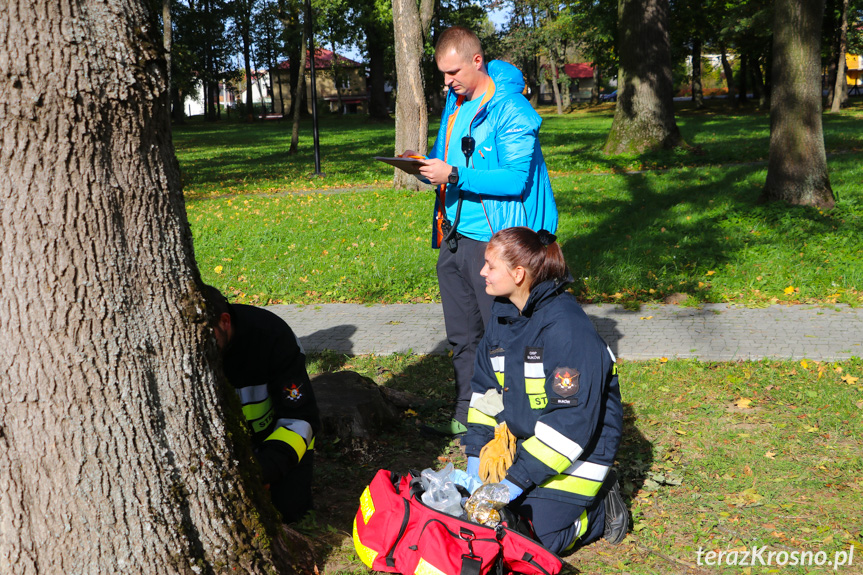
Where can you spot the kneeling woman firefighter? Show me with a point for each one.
(545, 417)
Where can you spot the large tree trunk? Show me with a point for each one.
(797, 164)
(117, 429)
(729, 76)
(411, 112)
(644, 115)
(840, 88)
(697, 89)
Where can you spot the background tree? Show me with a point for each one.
(797, 163)
(644, 115)
(594, 26)
(411, 21)
(242, 14)
(120, 439)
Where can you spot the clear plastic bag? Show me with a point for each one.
(440, 492)
(484, 504)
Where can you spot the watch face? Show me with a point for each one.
(453, 176)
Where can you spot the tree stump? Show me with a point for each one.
(354, 407)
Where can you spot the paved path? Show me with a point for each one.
(713, 332)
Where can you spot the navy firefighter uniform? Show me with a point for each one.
(266, 365)
(553, 380)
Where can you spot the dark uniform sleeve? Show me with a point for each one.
(295, 411)
(577, 372)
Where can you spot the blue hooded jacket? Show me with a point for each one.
(508, 173)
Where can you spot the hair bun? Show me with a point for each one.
(546, 237)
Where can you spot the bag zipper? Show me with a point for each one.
(390, 557)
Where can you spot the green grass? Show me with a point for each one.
(718, 456)
(689, 223)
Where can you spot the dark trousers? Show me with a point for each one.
(466, 310)
(555, 521)
(292, 494)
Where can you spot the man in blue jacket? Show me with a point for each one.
(489, 171)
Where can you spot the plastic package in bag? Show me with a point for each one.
(440, 492)
(484, 504)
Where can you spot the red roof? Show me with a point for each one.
(323, 61)
(578, 71)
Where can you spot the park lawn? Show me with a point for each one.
(687, 224)
(715, 456)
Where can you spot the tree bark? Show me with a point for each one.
(121, 448)
(729, 76)
(840, 88)
(644, 115)
(555, 86)
(743, 85)
(298, 96)
(594, 91)
(411, 110)
(697, 89)
(797, 163)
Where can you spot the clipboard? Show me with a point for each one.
(409, 165)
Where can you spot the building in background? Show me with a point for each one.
(340, 81)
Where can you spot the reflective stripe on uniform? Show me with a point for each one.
(296, 433)
(558, 441)
(588, 470)
(546, 454)
(253, 394)
(254, 411)
(580, 529)
(534, 370)
(477, 417)
(575, 485)
(497, 364)
(534, 386)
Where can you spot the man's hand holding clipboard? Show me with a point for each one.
(433, 170)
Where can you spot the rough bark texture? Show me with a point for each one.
(644, 116)
(116, 448)
(697, 90)
(555, 81)
(729, 76)
(840, 86)
(411, 112)
(797, 164)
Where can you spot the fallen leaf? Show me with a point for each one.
(789, 290)
(410, 412)
(217, 269)
(804, 364)
(663, 360)
(747, 470)
(743, 403)
(711, 272)
(770, 455)
(648, 317)
(849, 379)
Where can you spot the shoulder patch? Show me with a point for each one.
(565, 381)
(292, 393)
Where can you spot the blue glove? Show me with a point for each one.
(469, 482)
(473, 466)
(514, 490)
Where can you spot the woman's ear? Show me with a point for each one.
(519, 275)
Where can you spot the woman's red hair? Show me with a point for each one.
(522, 246)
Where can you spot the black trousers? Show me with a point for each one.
(292, 494)
(466, 310)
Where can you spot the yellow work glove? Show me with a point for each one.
(497, 455)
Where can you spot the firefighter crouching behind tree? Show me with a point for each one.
(266, 365)
(542, 369)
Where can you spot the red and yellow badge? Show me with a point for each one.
(565, 381)
(293, 393)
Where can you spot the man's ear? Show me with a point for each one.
(225, 322)
(478, 61)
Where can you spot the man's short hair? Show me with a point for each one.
(217, 304)
(460, 39)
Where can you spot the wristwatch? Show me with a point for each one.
(453, 176)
